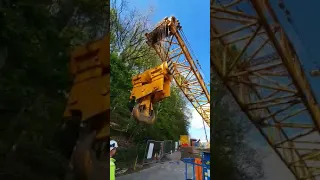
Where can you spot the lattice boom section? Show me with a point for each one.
(256, 61)
(169, 45)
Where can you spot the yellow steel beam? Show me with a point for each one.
(171, 48)
(256, 61)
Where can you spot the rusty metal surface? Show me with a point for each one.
(253, 56)
(168, 43)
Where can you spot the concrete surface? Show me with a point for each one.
(174, 169)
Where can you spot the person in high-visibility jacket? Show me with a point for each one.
(113, 149)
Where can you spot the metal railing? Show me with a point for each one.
(154, 152)
(204, 163)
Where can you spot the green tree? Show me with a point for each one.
(36, 39)
(131, 55)
(231, 157)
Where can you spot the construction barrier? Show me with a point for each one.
(154, 152)
(168, 147)
(206, 161)
(200, 167)
(184, 140)
(176, 145)
(128, 156)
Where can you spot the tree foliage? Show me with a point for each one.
(130, 56)
(36, 38)
(232, 158)
(128, 28)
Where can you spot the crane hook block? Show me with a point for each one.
(150, 87)
(140, 114)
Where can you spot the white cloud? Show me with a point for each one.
(203, 139)
(196, 130)
(196, 121)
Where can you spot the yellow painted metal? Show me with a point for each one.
(89, 95)
(184, 139)
(150, 87)
(89, 102)
(255, 59)
(166, 40)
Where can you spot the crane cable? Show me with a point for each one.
(194, 55)
(199, 66)
(205, 131)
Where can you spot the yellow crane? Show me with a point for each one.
(255, 59)
(153, 85)
(150, 87)
(87, 112)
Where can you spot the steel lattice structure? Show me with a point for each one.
(168, 43)
(256, 61)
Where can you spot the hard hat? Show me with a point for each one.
(113, 144)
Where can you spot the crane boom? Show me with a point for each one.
(168, 43)
(273, 91)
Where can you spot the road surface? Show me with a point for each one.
(169, 170)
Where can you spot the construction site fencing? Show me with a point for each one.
(154, 152)
(169, 146)
(176, 145)
(128, 155)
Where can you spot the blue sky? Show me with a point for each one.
(306, 17)
(194, 18)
